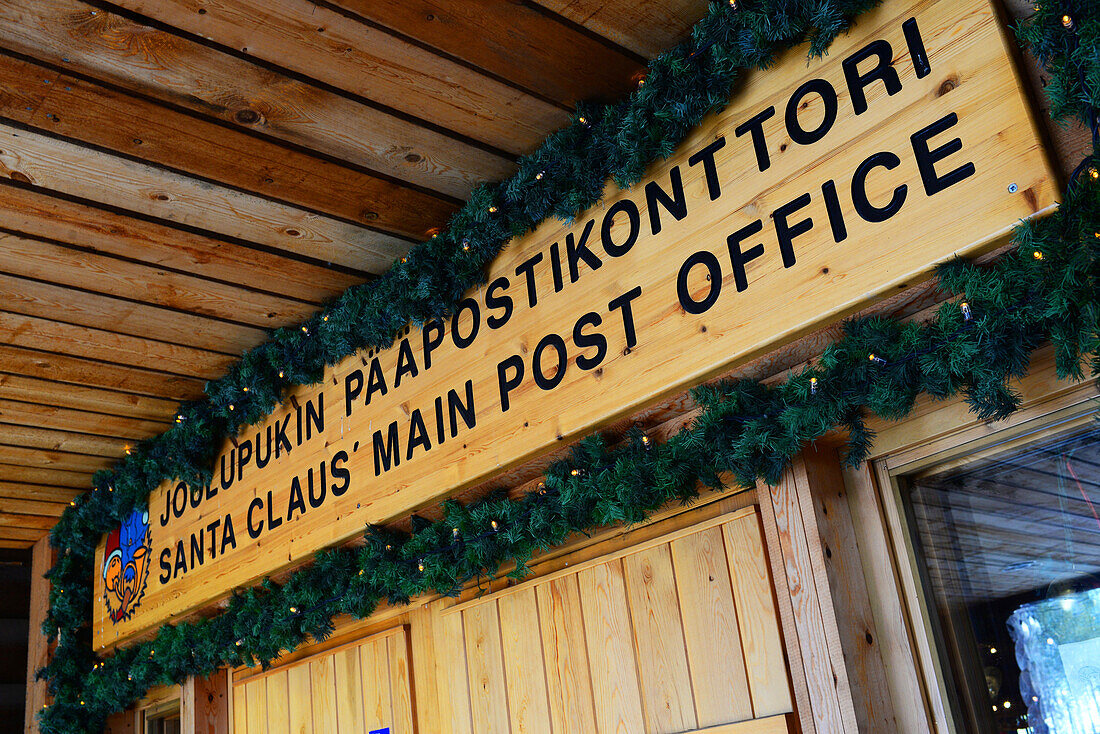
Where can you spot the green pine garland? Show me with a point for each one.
(744, 428)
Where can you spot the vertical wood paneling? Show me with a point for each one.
(322, 673)
(485, 664)
(240, 710)
(711, 629)
(349, 691)
(374, 660)
(427, 649)
(454, 684)
(523, 664)
(278, 706)
(757, 618)
(299, 699)
(255, 693)
(37, 645)
(659, 639)
(400, 683)
(569, 686)
(611, 650)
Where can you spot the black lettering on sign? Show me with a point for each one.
(755, 125)
(738, 257)
(927, 159)
(583, 341)
(433, 333)
(555, 378)
(495, 298)
(710, 170)
(576, 251)
(823, 89)
(864, 207)
(633, 219)
(786, 232)
(714, 282)
(676, 204)
(881, 71)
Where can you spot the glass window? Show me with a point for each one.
(1008, 544)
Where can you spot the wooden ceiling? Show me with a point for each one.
(179, 177)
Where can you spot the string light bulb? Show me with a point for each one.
(541, 488)
(420, 566)
(966, 312)
(1038, 254)
(875, 358)
(361, 572)
(575, 472)
(389, 547)
(539, 175)
(231, 406)
(1095, 174)
(813, 386)
(294, 610)
(324, 318)
(1067, 22)
(281, 374)
(646, 441)
(245, 388)
(454, 533)
(494, 525)
(582, 120)
(639, 79)
(465, 246)
(305, 330)
(492, 210)
(238, 643)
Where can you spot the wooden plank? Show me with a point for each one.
(81, 341)
(554, 59)
(827, 684)
(37, 694)
(53, 440)
(451, 669)
(44, 217)
(374, 661)
(83, 110)
(78, 397)
(608, 636)
(349, 691)
(400, 682)
(72, 34)
(210, 704)
(45, 459)
(711, 628)
(240, 710)
(299, 699)
(528, 707)
(485, 668)
(38, 493)
(16, 544)
(18, 506)
(323, 692)
(782, 724)
(424, 641)
(49, 301)
(278, 711)
(383, 67)
(101, 424)
(29, 522)
(67, 370)
(15, 475)
(666, 684)
(757, 618)
(647, 27)
(255, 693)
(28, 535)
(236, 307)
(561, 621)
(72, 169)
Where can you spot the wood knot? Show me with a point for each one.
(947, 85)
(20, 176)
(413, 157)
(292, 232)
(247, 117)
(369, 215)
(159, 196)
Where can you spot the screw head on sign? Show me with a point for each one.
(1013, 188)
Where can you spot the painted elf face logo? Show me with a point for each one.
(126, 565)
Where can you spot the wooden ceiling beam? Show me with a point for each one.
(56, 460)
(532, 49)
(9, 520)
(341, 52)
(19, 506)
(73, 443)
(20, 537)
(111, 276)
(45, 300)
(170, 68)
(81, 341)
(40, 215)
(14, 474)
(127, 430)
(95, 374)
(38, 493)
(87, 173)
(646, 27)
(79, 397)
(37, 95)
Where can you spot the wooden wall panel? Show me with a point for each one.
(645, 640)
(357, 688)
(37, 646)
(710, 622)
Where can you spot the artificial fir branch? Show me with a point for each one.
(1043, 290)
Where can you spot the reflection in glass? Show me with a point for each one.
(1009, 547)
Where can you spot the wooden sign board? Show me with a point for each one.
(820, 188)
